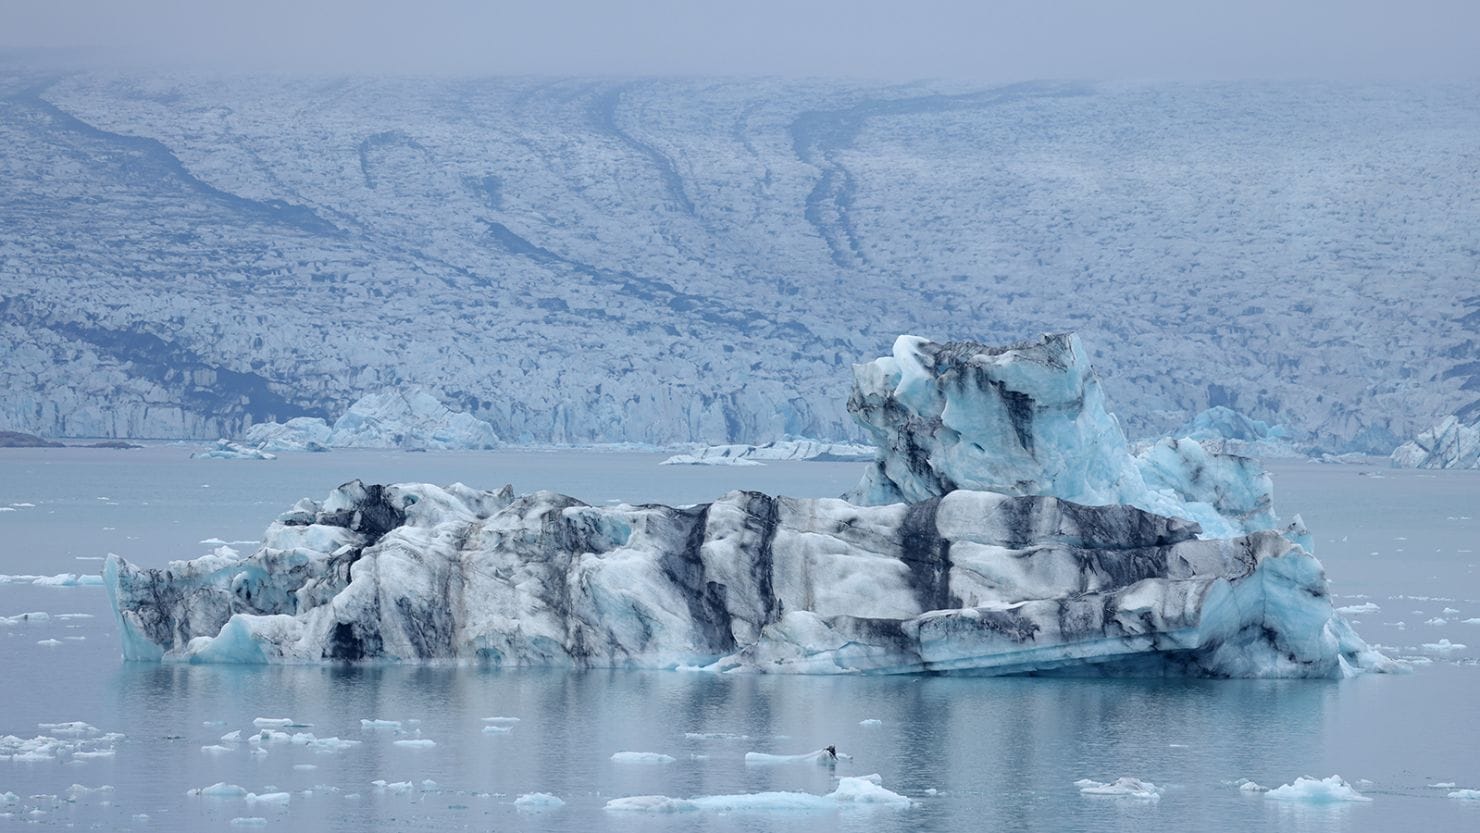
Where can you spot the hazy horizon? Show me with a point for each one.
(948, 40)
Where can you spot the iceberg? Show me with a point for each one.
(1449, 445)
(1224, 430)
(779, 451)
(1004, 528)
(227, 450)
(401, 418)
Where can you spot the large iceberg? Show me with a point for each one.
(1449, 445)
(938, 569)
(409, 418)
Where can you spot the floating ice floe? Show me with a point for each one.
(272, 722)
(715, 736)
(496, 729)
(871, 722)
(1123, 787)
(538, 801)
(1004, 528)
(500, 720)
(1316, 791)
(415, 743)
(249, 821)
(220, 789)
(73, 742)
(58, 580)
(821, 757)
(1248, 786)
(393, 786)
(379, 725)
(1444, 646)
(1358, 609)
(215, 749)
(268, 798)
(1465, 795)
(781, 450)
(852, 792)
(641, 758)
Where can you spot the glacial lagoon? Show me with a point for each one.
(989, 754)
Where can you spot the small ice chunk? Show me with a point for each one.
(1248, 786)
(215, 749)
(872, 721)
(305, 767)
(641, 758)
(715, 736)
(1437, 620)
(1123, 787)
(1444, 646)
(1466, 795)
(415, 743)
(497, 730)
(249, 821)
(50, 643)
(379, 725)
(1316, 791)
(862, 791)
(269, 798)
(1443, 785)
(538, 801)
(392, 786)
(505, 720)
(272, 722)
(1357, 610)
(220, 789)
(232, 737)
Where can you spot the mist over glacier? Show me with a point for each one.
(664, 261)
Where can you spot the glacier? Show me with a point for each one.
(1004, 528)
(1452, 444)
(400, 418)
(666, 261)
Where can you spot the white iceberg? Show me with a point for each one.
(538, 801)
(778, 451)
(399, 418)
(1330, 790)
(1004, 529)
(227, 450)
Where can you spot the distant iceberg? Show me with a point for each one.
(1449, 445)
(228, 450)
(409, 418)
(1005, 528)
(780, 450)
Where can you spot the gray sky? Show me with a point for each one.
(984, 40)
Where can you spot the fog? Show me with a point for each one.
(977, 41)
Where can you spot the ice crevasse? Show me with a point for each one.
(1004, 528)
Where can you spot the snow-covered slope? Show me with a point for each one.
(1449, 445)
(983, 567)
(672, 261)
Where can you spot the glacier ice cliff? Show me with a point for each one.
(409, 418)
(1451, 444)
(1000, 531)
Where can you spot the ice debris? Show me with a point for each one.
(538, 801)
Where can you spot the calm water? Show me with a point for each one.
(997, 754)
